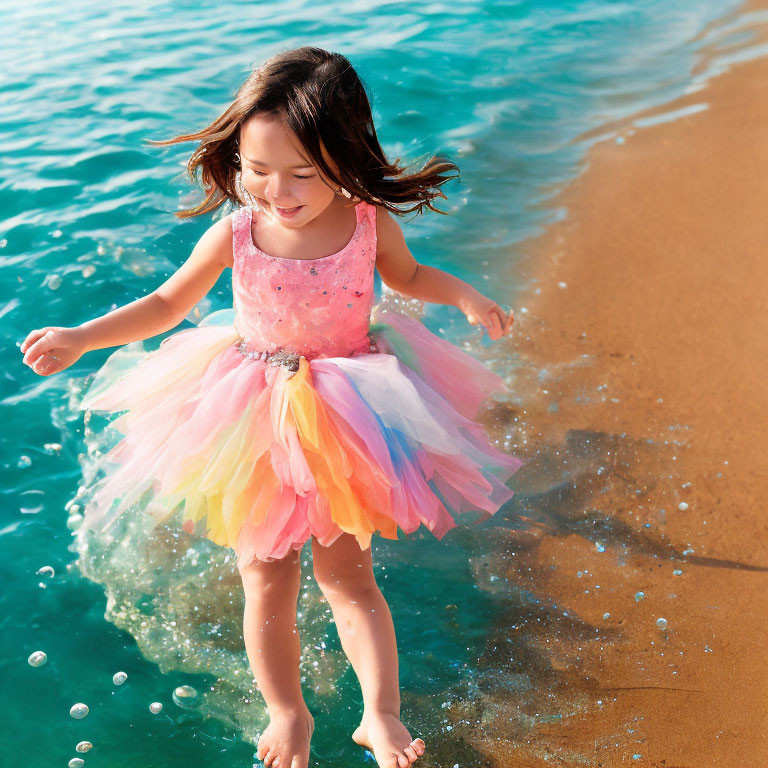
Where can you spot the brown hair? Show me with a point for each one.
(319, 97)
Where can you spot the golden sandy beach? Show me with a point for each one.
(644, 369)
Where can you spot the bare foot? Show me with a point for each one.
(285, 742)
(388, 739)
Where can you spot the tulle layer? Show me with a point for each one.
(259, 458)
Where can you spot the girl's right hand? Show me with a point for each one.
(52, 349)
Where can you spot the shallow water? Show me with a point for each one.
(514, 93)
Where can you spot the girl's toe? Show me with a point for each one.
(418, 746)
(410, 753)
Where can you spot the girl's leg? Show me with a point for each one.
(272, 644)
(344, 573)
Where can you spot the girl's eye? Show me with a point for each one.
(259, 173)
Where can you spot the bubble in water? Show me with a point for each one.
(24, 461)
(661, 623)
(37, 658)
(76, 762)
(599, 546)
(606, 616)
(639, 596)
(682, 506)
(79, 711)
(57, 233)
(88, 270)
(53, 282)
(119, 678)
(186, 697)
(74, 521)
(677, 572)
(155, 707)
(46, 570)
(84, 746)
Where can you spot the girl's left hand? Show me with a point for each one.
(490, 314)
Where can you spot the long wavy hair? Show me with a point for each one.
(319, 97)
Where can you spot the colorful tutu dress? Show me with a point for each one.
(305, 411)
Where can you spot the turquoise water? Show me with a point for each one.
(507, 90)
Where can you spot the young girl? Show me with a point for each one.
(312, 414)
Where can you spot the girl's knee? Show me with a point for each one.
(261, 576)
(349, 580)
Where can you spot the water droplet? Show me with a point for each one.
(639, 596)
(37, 658)
(119, 678)
(155, 707)
(79, 711)
(187, 697)
(76, 762)
(682, 506)
(83, 746)
(599, 546)
(661, 623)
(74, 521)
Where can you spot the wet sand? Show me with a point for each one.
(644, 381)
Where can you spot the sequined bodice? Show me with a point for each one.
(313, 307)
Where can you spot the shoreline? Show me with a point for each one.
(643, 362)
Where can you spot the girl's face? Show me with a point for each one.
(277, 172)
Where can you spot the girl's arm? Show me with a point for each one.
(401, 272)
(53, 348)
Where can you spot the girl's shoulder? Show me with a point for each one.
(219, 238)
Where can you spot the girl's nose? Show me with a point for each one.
(277, 190)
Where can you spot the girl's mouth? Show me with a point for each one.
(288, 212)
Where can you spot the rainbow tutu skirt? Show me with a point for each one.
(260, 454)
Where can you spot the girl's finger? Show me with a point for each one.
(42, 345)
(43, 365)
(32, 337)
(495, 321)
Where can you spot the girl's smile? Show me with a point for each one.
(288, 213)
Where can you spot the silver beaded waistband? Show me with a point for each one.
(286, 357)
(276, 357)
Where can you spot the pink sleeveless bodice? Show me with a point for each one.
(311, 307)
